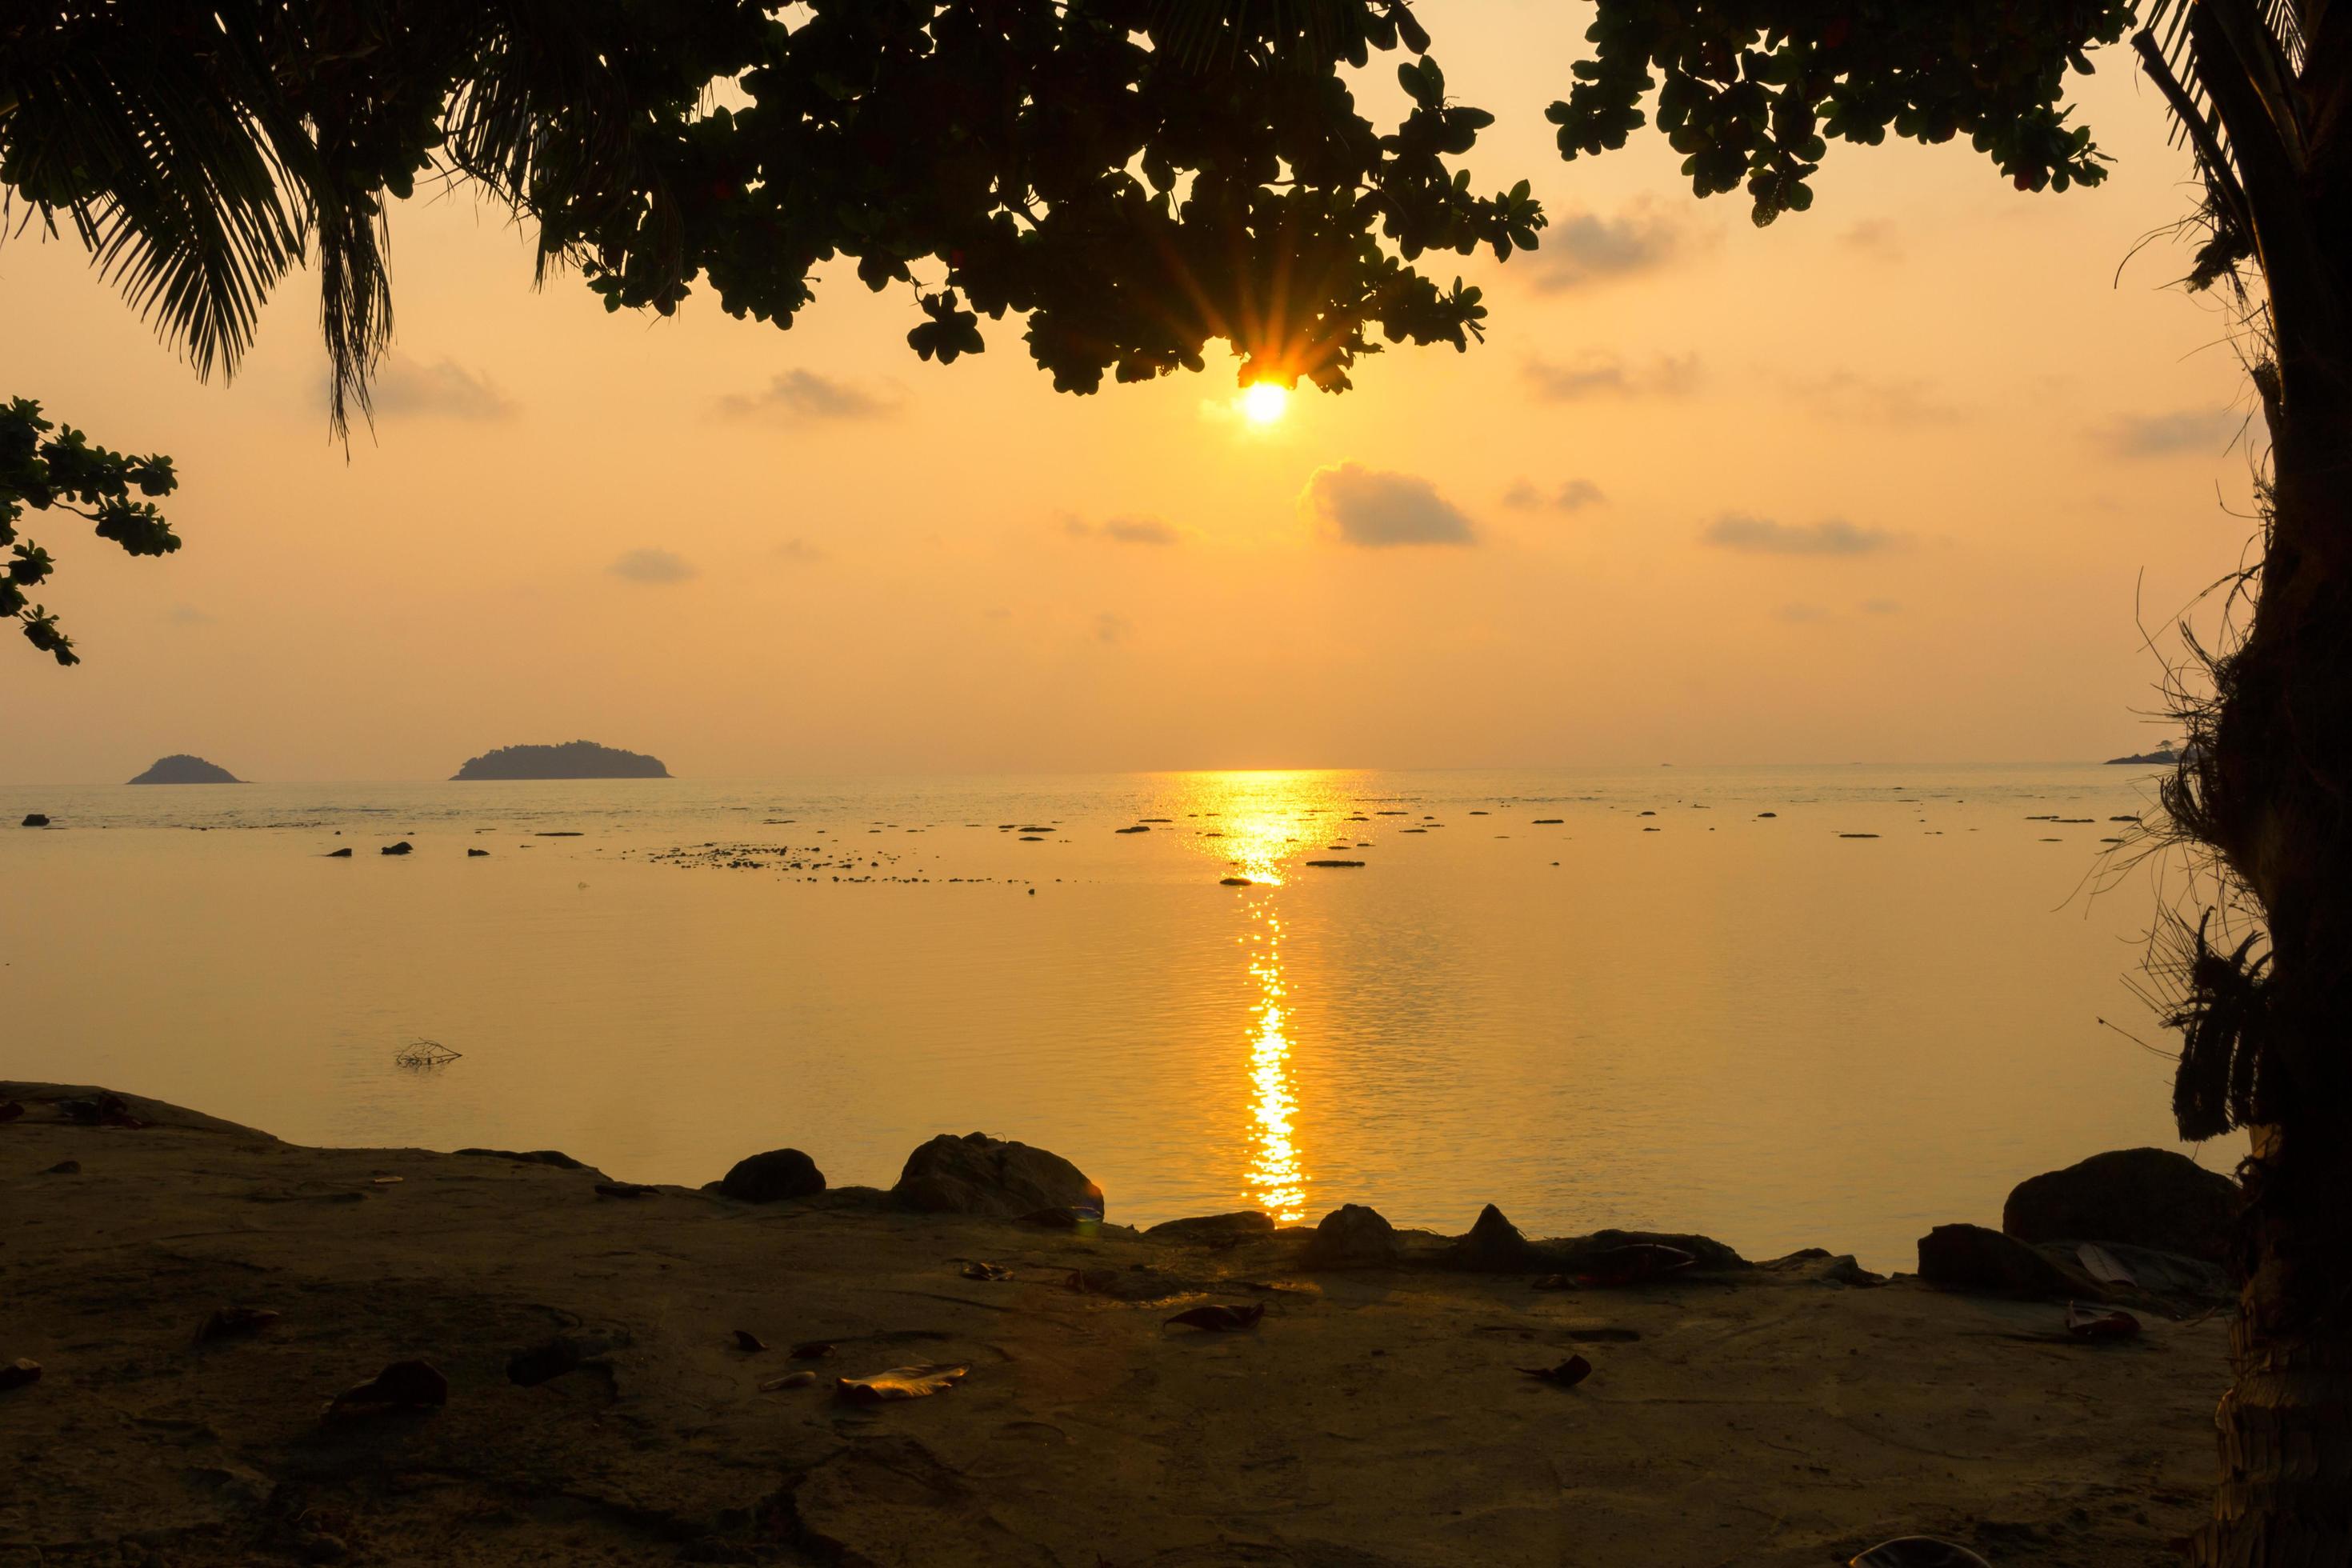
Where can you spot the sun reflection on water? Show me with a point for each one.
(1278, 1183)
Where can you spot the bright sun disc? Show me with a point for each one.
(1264, 402)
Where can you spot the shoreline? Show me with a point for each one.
(1782, 1412)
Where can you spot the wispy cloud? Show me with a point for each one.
(1574, 495)
(1124, 531)
(1111, 628)
(1606, 375)
(2203, 431)
(1801, 614)
(801, 550)
(1585, 249)
(406, 389)
(190, 616)
(1846, 395)
(804, 397)
(1875, 238)
(655, 566)
(1762, 536)
(1881, 608)
(1360, 506)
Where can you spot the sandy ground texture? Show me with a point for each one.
(1764, 1416)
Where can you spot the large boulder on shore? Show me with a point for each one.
(1493, 1245)
(979, 1174)
(2146, 1198)
(1971, 1257)
(776, 1174)
(1353, 1236)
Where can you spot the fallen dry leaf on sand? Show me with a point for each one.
(802, 1379)
(988, 1271)
(2084, 1323)
(405, 1385)
(903, 1383)
(1566, 1375)
(1918, 1552)
(234, 1322)
(1221, 1319)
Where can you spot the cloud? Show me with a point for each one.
(1112, 628)
(1606, 375)
(405, 389)
(798, 396)
(1361, 506)
(1575, 495)
(1762, 536)
(1126, 531)
(1843, 394)
(1881, 608)
(653, 566)
(189, 616)
(2195, 430)
(1585, 249)
(1875, 238)
(1802, 615)
(801, 550)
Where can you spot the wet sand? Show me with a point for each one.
(1767, 1415)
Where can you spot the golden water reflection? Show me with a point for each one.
(1278, 1183)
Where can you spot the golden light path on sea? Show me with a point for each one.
(1276, 1180)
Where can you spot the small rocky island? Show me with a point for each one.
(2163, 756)
(184, 769)
(571, 760)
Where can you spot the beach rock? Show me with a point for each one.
(1971, 1257)
(1494, 1246)
(778, 1173)
(34, 819)
(342, 854)
(1353, 1237)
(1578, 1253)
(2147, 1198)
(475, 854)
(555, 1157)
(1211, 1229)
(402, 847)
(979, 1174)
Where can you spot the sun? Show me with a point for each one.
(1264, 402)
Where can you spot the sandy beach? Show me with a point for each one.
(1780, 1413)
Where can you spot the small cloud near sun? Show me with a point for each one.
(1574, 495)
(1124, 531)
(652, 566)
(1364, 507)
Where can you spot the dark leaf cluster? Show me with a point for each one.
(44, 467)
(1753, 92)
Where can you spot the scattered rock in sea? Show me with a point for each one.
(1214, 1230)
(1762, 816)
(1550, 821)
(342, 854)
(34, 819)
(1353, 1237)
(1236, 883)
(475, 854)
(1971, 1257)
(1138, 828)
(982, 1176)
(2147, 1198)
(1493, 1245)
(767, 1178)
(1341, 865)
(402, 847)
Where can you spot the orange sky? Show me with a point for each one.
(1887, 481)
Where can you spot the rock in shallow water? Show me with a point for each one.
(1353, 1236)
(979, 1174)
(776, 1174)
(2147, 1198)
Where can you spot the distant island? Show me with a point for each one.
(571, 760)
(2163, 756)
(184, 769)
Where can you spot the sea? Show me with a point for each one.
(1786, 1007)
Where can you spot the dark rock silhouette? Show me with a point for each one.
(1971, 1257)
(1353, 1237)
(571, 760)
(2147, 1198)
(342, 854)
(979, 1174)
(1212, 1228)
(475, 854)
(34, 819)
(1494, 1246)
(402, 847)
(182, 769)
(778, 1173)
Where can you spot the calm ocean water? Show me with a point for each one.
(1627, 998)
